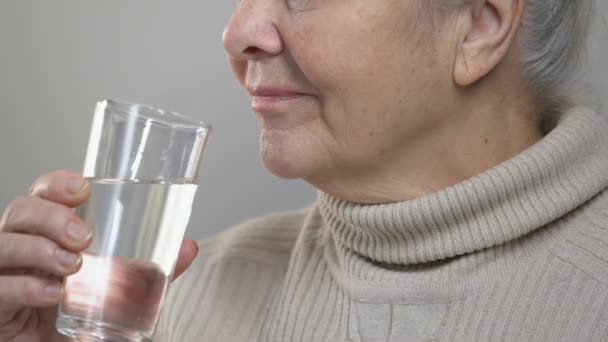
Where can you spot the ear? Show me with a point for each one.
(491, 27)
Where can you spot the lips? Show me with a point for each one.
(273, 91)
(268, 99)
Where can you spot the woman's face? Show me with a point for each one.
(340, 87)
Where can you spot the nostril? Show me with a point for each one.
(250, 50)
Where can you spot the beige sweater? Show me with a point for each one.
(517, 253)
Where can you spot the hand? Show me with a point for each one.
(41, 239)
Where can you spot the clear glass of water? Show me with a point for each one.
(142, 164)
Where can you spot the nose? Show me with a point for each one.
(252, 33)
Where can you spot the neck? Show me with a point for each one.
(467, 143)
(448, 243)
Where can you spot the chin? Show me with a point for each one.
(280, 168)
(286, 155)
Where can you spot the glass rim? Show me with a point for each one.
(154, 114)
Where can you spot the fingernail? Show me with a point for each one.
(78, 232)
(53, 290)
(75, 185)
(67, 258)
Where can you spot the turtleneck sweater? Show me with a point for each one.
(516, 253)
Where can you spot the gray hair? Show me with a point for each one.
(553, 37)
(552, 41)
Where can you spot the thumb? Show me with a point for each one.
(187, 253)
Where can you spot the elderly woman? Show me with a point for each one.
(461, 188)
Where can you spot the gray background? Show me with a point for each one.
(57, 58)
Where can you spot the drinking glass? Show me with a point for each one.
(142, 164)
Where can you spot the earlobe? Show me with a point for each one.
(491, 28)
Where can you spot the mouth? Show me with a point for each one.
(273, 99)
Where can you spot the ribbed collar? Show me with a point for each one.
(559, 173)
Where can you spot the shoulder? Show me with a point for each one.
(235, 271)
(262, 245)
(266, 239)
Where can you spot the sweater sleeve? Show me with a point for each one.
(175, 305)
(164, 329)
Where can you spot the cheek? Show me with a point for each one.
(363, 72)
(374, 82)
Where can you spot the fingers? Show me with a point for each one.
(36, 252)
(187, 254)
(24, 290)
(64, 187)
(33, 215)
